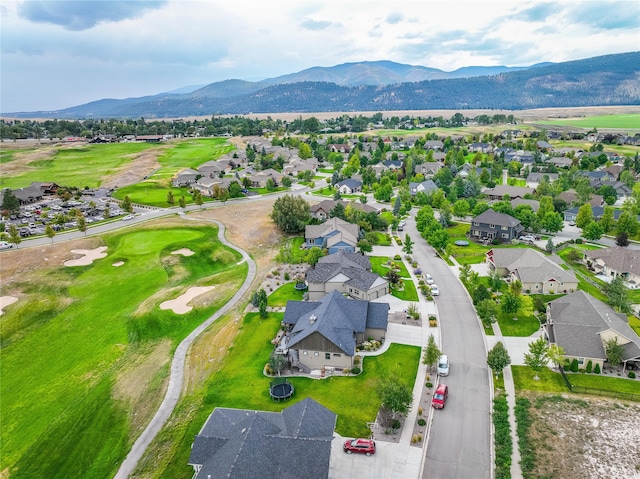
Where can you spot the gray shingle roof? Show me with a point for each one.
(243, 444)
(493, 218)
(617, 258)
(336, 318)
(354, 266)
(579, 318)
(350, 231)
(530, 265)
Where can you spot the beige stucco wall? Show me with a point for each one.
(547, 287)
(594, 361)
(317, 359)
(611, 334)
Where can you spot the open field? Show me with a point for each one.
(623, 121)
(85, 350)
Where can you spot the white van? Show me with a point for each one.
(443, 365)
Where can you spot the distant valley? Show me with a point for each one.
(383, 85)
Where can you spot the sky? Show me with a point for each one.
(56, 54)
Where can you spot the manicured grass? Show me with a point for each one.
(606, 383)
(549, 381)
(387, 216)
(382, 239)
(61, 413)
(526, 325)
(81, 166)
(378, 266)
(626, 121)
(290, 251)
(153, 193)
(634, 322)
(241, 384)
(284, 293)
(409, 292)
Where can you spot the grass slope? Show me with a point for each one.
(58, 411)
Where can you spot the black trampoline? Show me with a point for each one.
(281, 389)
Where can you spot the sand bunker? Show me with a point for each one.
(179, 305)
(118, 263)
(183, 252)
(6, 301)
(89, 256)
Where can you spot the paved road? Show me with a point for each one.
(177, 369)
(459, 443)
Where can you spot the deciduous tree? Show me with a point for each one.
(498, 358)
(538, 356)
(291, 214)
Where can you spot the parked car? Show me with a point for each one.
(434, 290)
(440, 396)
(5, 245)
(443, 365)
(401, 225)
(362, 446)
(127, 218)
(527, 238)
(428, 279)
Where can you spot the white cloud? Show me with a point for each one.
(143, 49)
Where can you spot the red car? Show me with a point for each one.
(363, 446)
(440, 396)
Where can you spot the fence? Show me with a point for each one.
(598, 392)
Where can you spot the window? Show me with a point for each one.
(336, 355)
(505, 235)
(504, 228)
(327, 355)
(476, 224)
(492, 226)
(580, 361)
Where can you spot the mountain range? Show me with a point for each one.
(385, 85)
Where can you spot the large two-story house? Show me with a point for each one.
(334, 235)
(491, 225)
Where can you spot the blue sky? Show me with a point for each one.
(61, 53)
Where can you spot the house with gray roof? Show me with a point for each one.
(426, 186)
(582, 324)
(428, 169)
(535, 204)
(186, 177)
(534, 179)
(513, 192)
(349, 186)
(490, 225)
(246, 444)
(348, 273)
(327, 333)
(560, 161)
(537, 272)
(322, 210)
(615, 261)
(334, 235)
(571, 197)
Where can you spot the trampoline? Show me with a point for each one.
(281, 389)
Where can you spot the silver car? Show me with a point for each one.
(443, 365)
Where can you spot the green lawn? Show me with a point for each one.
(382, 239)
(81, 166)
(409, 292)
(290, 251)
(378, 266)
(626, 121)
(284, 293)
(65, 344)
(634, 322)
(526, 325)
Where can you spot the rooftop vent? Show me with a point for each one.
(312, 319)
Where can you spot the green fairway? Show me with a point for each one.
(187, 154)
(86, 165)
(628, 121)
(69, 338)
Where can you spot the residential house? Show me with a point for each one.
(581, 325)
(622, 190)
(615, 170)
(426, 186)
(544, 145)
(334, 235)
(560, 161)
(185, 178)
(535, 204)
(326, 333)
(260, 179)
(207, 186)
(215, 168)
(433, 145)
(597, 176)
(339, 147)
(467, 168)
(480, 147)
(513, 192)
(570, 214)
(393, 165)
(379, 168)
(428, 169)
(571, 197)
(491, 225)
(242, 443)
(349, 186)
(615, 261)
(322, 210)
(537, 273)
(534, 179)
(348, 273)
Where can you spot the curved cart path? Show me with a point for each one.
(177, 368)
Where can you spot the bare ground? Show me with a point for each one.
(582, 437)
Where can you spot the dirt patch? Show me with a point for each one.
(581, 437)
(6, 301)
(142, 165)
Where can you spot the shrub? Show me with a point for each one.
(419, 437)
(567, 364)
(579, 241)
(631, 375)
(421, 422)
(355, 370)
(286, 276)
(414, 439)
(396, 424)
(420, 411)
(574, 365)
(428, 384)
(596, 370)
(589, 366)
(502, 437)
(397, 257)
